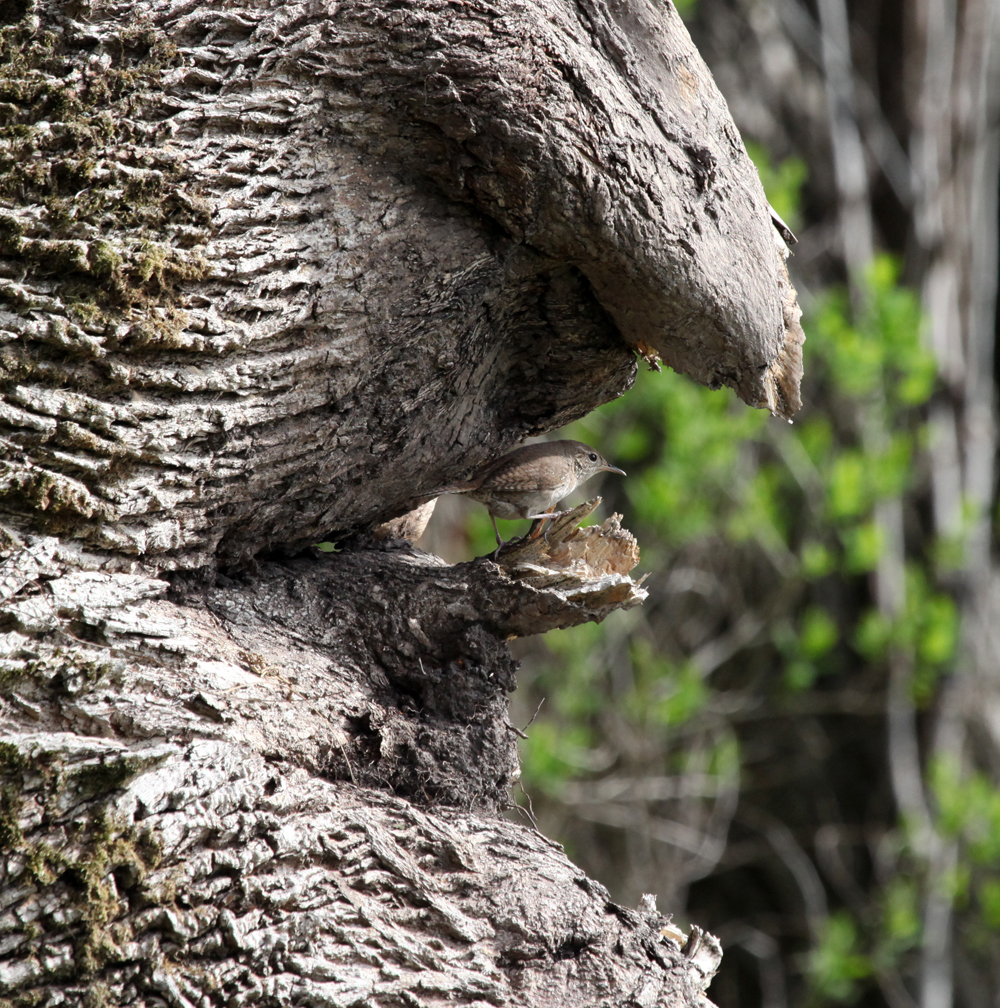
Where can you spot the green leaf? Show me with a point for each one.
(665, 692)
(817, 560)
(871, 639)
(891, 471)
(687, 697)
(988, 894)
(819, 633)
(901, 913)
(835, 964)
(847, 493)
(916, 383)
(782, 182)
(863, 545)
(816, 436)
(939, 633)
(632, 444)
(800, 674)
(552, 755)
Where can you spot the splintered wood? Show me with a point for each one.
(584, 569)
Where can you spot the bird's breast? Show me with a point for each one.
(511, 504)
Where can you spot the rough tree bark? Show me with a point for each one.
(268, 272)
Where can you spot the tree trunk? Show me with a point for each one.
(268, 274)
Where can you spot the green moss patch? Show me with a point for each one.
(89, 193)
(100, 854)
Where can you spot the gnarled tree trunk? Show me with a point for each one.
(268, 273)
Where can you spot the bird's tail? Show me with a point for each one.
(452, 488)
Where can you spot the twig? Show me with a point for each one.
(529, 811)
(533, 716)
(518, 731)
(347, 760)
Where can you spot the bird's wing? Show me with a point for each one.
(529, 462)
(520, 474)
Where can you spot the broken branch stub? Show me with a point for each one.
(572, 575)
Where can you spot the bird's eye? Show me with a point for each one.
(592, 456)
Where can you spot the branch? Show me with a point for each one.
(572, 575)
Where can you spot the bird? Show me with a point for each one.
(530, 481)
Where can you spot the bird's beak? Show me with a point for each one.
(621, 472)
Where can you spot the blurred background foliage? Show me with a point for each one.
(795, 742)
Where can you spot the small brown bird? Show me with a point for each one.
(529, 481)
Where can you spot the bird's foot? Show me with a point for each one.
(504, 542)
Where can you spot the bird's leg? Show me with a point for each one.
(543, 521)
(539, 522)
(496, 532)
